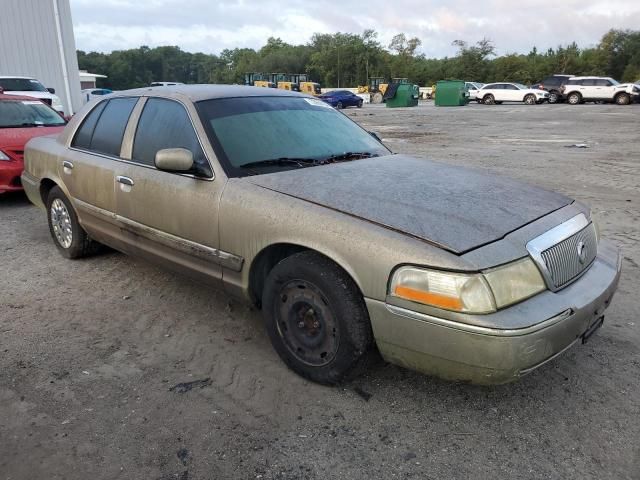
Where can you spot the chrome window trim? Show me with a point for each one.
(142, 100)
(550, 238)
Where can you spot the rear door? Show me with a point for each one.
(167, 216)
(512, 93)
(91, 164)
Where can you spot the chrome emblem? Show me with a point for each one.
(582, 252)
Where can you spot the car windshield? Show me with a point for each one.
(521, 86)
(21, 85)
(28, 113)
(614, 82)
(256, 135)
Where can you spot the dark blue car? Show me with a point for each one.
(341, 99)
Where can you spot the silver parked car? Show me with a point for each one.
(290, 205)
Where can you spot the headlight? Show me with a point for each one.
(469, 293)
(515, 282)
(55, 100)
(4, 157)
(450, 291)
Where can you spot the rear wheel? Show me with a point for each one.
(623, 99)
(574, 98)
(489, 100)
(339, 106)
(530, 99)
(70, 238)
(360, 104)
(316, 318)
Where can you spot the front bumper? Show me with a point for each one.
(10, 176)
(487, 355)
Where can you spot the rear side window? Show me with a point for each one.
(166, 124)
(602, 82)
(85, 132)
(103, 129)
(107, 137)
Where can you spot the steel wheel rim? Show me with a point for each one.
(306, 324)
(61, 223)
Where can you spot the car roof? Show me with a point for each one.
(588, 76)
(17, 98)
(197, 93)
(17, 76)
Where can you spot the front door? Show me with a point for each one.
(167, 216)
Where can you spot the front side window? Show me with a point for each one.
(28, 113)
(261, 134)
(166, 124)
(21, 85)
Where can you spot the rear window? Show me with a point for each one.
(21, 85)
(103, 129)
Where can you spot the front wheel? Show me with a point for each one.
(70, 238)
(623, 99)
(530, 99)
(360, 104)
(316, 318)
(553, 97)
(339, 105)
(489, 100)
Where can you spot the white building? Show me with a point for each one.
(88, 80)
(36, 40)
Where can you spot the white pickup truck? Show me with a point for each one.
(605, 89)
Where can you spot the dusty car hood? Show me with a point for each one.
(456, 208)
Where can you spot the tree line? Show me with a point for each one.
(348, 60)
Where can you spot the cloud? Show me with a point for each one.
(210, 27)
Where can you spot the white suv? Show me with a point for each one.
(30, 87)
(510, 92)
(605, 89)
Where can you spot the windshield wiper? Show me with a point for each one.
(300, 162)
(346, 156)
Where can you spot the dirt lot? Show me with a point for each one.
(91, 350)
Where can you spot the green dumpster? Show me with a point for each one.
(451, 93)
(401, 95)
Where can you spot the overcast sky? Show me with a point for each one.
(212, 25)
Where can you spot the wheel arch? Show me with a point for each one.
(46, 184)
(272, 254)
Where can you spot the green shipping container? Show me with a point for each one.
(451, 93)
(401, 95)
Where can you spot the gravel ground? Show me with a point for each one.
(97, 355)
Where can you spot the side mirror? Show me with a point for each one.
(375, 135)
(174, 159)
(51, 90)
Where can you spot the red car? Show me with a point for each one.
(22, 118)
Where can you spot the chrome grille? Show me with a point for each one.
(563, 260)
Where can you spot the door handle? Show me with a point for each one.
(67, 166)
(124, 180)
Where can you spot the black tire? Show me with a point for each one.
(339, 106)
(360, 104)
(554, 97)
(69, 237)
(316, 318)
(623, 99)
(488, 100)
(574, 98)
(530, 99)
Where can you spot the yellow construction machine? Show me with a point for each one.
(378, 87)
